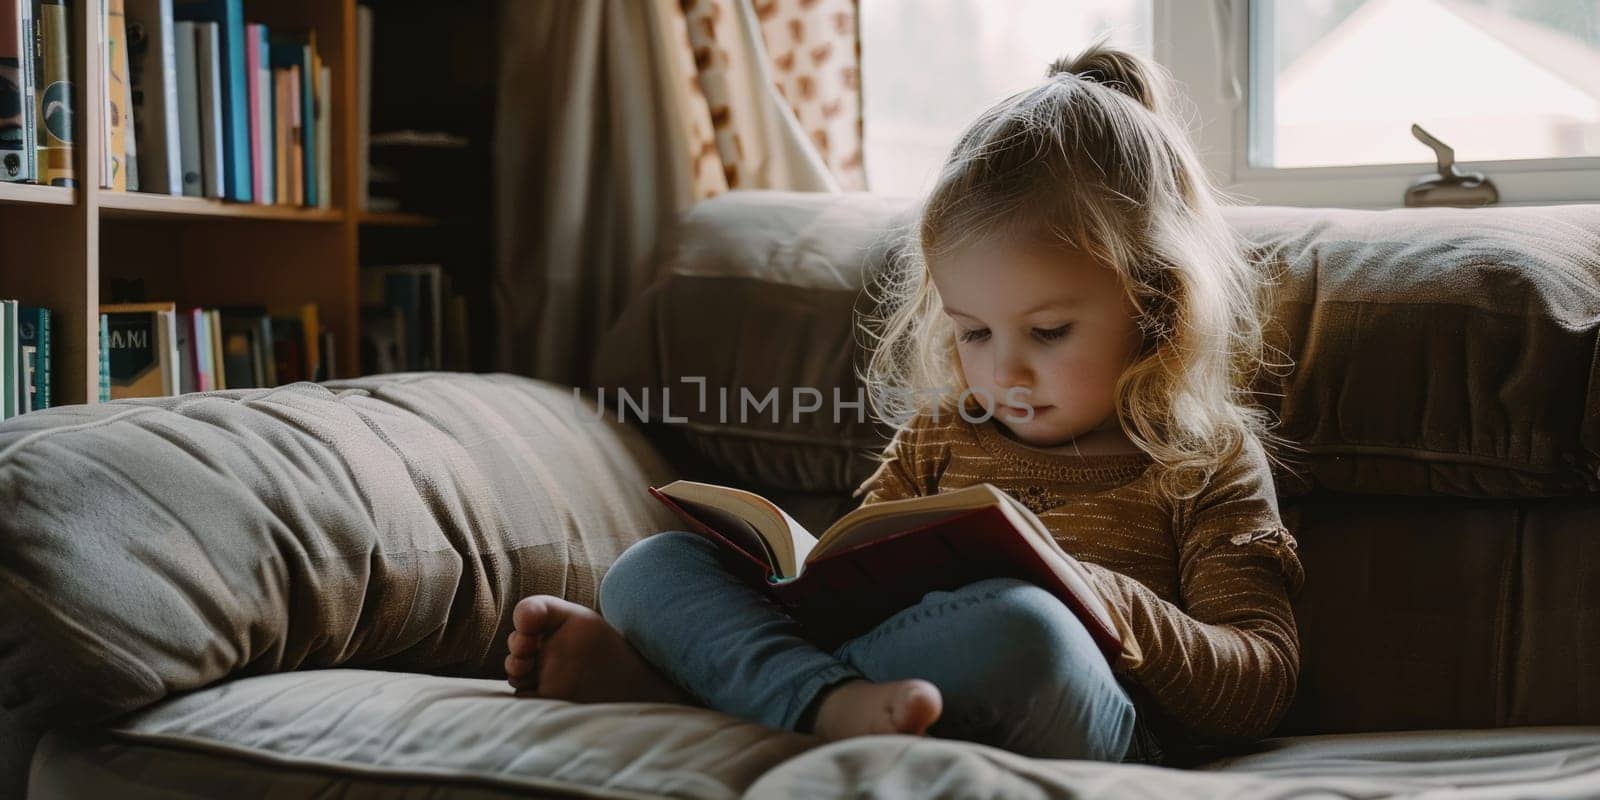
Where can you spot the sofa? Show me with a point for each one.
(306, 590)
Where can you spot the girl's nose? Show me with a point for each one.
(1010, 369)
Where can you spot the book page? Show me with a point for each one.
(784, 539)
(885, 519)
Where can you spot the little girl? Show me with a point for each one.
(1093, 324)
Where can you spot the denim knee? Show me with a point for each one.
(1052, 687)
(625, 590)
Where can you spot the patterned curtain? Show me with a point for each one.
(614, 116)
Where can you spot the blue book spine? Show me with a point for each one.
(105, 359)
(229, 16)
(33, 330)
(308, 131)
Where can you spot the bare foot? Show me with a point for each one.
(563, 651)
(860, 707)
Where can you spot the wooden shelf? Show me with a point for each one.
(34, 193)
(138, 205)
(70, 250)
(397, 219)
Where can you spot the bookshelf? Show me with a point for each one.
(63, 248)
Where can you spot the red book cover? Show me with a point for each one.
(843, 594)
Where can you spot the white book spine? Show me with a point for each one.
(188, 108)
(208, 62)
(27, 72)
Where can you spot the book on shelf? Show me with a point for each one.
(156, 349)
(18, 128)
(883, 557)
(225, 19)
(208, 84)
(143, 349)
(10, 361)
(247, 360)
(190, 145)
(34, 339)
(153, 75)
(383, 340)
(104, 394)
(221, 107)
(24, 359)
(114, 55)
(421, 293)
(259, 75)
(53, 91)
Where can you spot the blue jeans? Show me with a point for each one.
(1015, 668)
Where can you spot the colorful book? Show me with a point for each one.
(54, 91)
(33, 332)
(883, 557)
(191, 145)
(153, 74)
(141, 349)
(114, 34)
(18, 153)
(297, 52)
(232, 88)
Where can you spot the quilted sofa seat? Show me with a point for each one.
(306, 590)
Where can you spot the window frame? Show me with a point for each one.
(1205, 73)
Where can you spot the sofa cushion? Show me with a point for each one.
(1438, 351)
(156, 546)
(342, 732)
(1508, 763)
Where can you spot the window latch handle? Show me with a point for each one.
(1449, 186)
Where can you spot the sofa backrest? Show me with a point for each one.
(1446, 391)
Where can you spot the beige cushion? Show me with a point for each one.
(1440, 351)
(1501, 764)
(152, 547)
(337, 733)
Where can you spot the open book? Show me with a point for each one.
(883, 557)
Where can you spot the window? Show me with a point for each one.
(1291, 102)
(1339, 82)
(929, 67)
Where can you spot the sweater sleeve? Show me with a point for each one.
(909, 466)
(1224, 664)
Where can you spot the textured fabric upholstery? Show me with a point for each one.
(1445, 352)
(156, 546)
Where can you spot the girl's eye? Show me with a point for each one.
(974, 335)
(1052, 334)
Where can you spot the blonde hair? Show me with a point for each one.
(1092, 158)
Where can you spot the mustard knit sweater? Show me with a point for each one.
(1203, 584)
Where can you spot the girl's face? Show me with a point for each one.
(1041, 328)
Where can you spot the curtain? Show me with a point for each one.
(614, 116)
